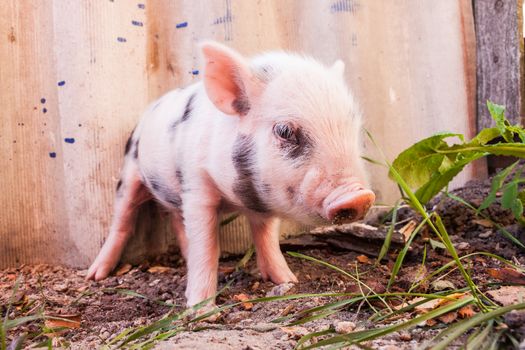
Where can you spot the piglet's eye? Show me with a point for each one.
(285, 132)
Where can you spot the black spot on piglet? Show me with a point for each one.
(187, 112)
(128, 145)
(243, 157)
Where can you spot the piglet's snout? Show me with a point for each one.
(344, 205)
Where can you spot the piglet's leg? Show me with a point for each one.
(177, 225)
(130, 194)
(270, 259)
(202, 251)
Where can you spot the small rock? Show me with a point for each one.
(344, 327)
(264, 327)
(485, 234)
(169, 302)
(294, 332)
(515, 319)
(405, 336)
(165, 296)
(463, 246)
(440, 285)
(154, 283)
(280, 289)
(104, 335)
(62, 287)
(236, 317)
(82, 273)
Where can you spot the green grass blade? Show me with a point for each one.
(453, 332)
(401, 256)
(476, 342)
(388, 238)
(361, 336)
(309, 336)
(502, 229)
(333, 267)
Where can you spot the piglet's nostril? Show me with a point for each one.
(344, 216)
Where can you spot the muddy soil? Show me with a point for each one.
(142, 294)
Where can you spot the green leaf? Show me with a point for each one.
(440, 179)
(510, 193)
(436, 244)
(497, 182)
(485, 136)
(419, 162)
(517, 208)
(497, 112)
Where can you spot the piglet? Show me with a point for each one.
(274, 137)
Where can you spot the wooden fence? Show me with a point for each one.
(75, 75)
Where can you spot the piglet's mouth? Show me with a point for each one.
(344, 207)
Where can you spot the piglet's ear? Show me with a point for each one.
(338, 67)
(226, 78)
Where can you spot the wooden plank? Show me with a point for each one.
(409, 63)
(500, 68)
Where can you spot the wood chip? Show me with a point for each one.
(160, 269)
(226, 269)
(64, 321)
(363, 259)
(484, 223)
(243, 298)
(287, 310)
(508, 295)
(122, 270)
(407, 230)
(507, 275)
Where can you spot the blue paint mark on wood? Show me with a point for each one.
(61, 83)
(195, 72)
(44, 110)
(181, 25)
(42, 100)
(345, 6)
(52, 154)
(69, 140)
(141, 6)
(137, 23)
(121, 39)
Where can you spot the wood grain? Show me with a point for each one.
(409, 62)
(500, 65)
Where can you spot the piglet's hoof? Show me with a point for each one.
(281, 289)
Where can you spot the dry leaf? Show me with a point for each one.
(122, 270)
(65, 321)
(363, 259)
(407, 230)
(431, 322)
(226, 269)
(508, 275)
(255, 286)
(159, 269)
(484, 223)
(508, 295)
(243, 298)
(466, 311)
(449, 317)
(434, 303)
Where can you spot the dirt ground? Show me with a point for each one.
(108, 307)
